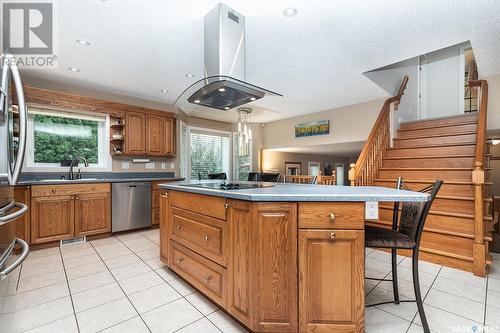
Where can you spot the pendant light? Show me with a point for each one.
(244, 130)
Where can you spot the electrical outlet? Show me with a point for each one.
(150, 165)
(163, 165)
(172, 166)
(371, 210)
(125, 165)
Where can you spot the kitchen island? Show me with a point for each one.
(283, 258)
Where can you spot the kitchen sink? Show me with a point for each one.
(66, 180)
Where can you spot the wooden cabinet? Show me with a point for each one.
(331, 280)
(155, 135)
(155, 203)
(92, 214)
(52, 218)
(149, 135)
(22, 194)
(135, 133)
(66, 211)
(165, 217)
(331, 215)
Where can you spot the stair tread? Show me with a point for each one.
(424, 157)
(436, 145)
(430, 169)
(443, 213)
(426, 181)
(437, 135)
(434, 230)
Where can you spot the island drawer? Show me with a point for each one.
(332, 215)
(202, 234)
(68, 189)
(202, 204)
(202, 273)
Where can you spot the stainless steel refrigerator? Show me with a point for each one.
(13, 114)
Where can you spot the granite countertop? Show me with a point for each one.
(301, 192)
(98, 177)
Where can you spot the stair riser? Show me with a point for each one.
(432, 151)
(438, 122)
(446, 189)
(436, 141)
(425, 132)
(438, 222)
(461, 175)
(446, 243)
(445, 162)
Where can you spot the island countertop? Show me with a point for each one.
(302, 192)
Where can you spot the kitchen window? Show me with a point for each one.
(242, 158)
(204, 151)
(56, 137)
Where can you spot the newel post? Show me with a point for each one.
(319, 178)
(479, 248)
(352, 174)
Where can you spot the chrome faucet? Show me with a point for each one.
(71, 173)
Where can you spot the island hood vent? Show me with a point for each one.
(224, 85)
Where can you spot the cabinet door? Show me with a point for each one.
(155, 135)
(331, 280)
(52, 218)
(92, 214)
(135, 134)
(23, 224)
(275, 246)
(170, 136)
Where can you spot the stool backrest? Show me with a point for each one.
(218, 175)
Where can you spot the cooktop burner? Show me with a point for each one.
(229, 186)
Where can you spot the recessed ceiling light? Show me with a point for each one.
(82, 42)
(222, 89)
(164, 91)
(197, 101)
(189, 75)
(290, 11)
(73, 69)
(252, 98)
(226, 108)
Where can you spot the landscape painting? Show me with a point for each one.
(319, 127)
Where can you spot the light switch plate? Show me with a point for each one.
(125, 165)
(172, 165)
(150, 165)
(371, 210)
(163, 165)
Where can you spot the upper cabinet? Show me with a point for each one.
(149, 135)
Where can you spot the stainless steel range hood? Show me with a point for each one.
(224, 85)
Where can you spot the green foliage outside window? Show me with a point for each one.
(207, 154)
(59, 138)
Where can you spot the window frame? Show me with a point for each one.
(104, 157)
(185, 170)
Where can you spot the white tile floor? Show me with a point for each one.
(118, 284)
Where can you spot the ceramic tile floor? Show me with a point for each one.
(118, 284)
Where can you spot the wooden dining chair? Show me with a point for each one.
(406, 233)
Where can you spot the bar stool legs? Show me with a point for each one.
(418, 295)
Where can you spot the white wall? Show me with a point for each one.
(389, 78)
(493, 101)
(347, 124)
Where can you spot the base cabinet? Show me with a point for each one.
(92, 214)
(331, 280)
(52, 218)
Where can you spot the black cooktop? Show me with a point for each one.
(228, 186)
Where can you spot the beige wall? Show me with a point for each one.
(493, 102)
(347, 124)
(276, 160)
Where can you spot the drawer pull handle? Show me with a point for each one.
(77, 198)
(332, 235)
(93, 188)
(226, 205)
(206, 238)
(53, 190)
(332, 217)
(207, 279)
(164, 195)
(178, 226)
(180, 260)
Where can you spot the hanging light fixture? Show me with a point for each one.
(244, 130)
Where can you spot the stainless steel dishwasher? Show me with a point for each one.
(131, 205)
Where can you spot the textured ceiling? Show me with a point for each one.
(315, 59)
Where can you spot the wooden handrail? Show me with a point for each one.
(478, 179)
(363, 171)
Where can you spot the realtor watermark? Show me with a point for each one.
(28, 33)
(474, 329)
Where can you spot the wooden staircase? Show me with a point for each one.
(458, 228)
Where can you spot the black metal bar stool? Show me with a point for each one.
(406, 234)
